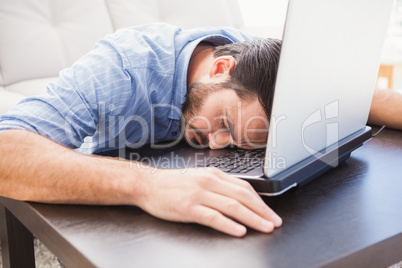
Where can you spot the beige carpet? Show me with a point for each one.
(45, 259)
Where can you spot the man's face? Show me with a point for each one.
(224, 119)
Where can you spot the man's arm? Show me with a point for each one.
(35, 168)
(386, 109)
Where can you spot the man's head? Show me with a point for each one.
(230, 94)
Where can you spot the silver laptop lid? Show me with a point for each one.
(327, 72)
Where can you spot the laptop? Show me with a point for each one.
(325, 81)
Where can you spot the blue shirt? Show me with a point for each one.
(127, 91)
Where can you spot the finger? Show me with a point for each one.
(233, 208)
(230, 187)
(234, 180)
(212, 218)
(240, 182)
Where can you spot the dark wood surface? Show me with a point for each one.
(349, 217)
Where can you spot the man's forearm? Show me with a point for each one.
(386, 109)
(37, 169)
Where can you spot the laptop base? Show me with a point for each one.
(312, 167)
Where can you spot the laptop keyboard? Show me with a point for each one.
(238, 161)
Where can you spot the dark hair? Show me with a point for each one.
(255, 71)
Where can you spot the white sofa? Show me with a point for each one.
(38, 38)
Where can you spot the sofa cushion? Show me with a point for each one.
(9, 99)
(186, 14)
(40, 37)
(31, 87)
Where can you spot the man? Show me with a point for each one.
(130, 90)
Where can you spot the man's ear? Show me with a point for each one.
(221, 66)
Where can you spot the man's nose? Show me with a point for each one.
(219, 139)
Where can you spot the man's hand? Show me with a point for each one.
(207, 196)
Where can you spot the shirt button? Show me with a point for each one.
(174, 133)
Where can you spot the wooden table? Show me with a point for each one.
(349, 217)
